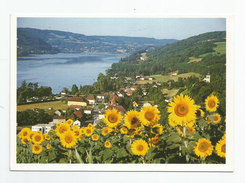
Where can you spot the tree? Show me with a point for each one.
(101, 106)
(74, 89)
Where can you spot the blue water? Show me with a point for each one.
(64, 69)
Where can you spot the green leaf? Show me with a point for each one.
(202, 123)
(173, 146)
(107, 155)
(62, 160)
(150, 155)
(78, 157)
(174, 138)
(121, 153)
(51, 156)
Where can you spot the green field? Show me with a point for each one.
(194, 59)
(45, 105)
(170, 93)
(162, 78)
(219, 50)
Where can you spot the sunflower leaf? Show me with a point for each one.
(121, 153)
(78, 157)
(107, 155)
(174, 138)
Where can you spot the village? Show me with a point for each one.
(91, 109)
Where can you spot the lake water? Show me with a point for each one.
(64, 69)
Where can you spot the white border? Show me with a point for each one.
(228, 167)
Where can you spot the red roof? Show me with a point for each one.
(90, 97)
(134, 86)
(59, 117)
(75, 106)
(78, 114)
(78, 99)
(130, 91)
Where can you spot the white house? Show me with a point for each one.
(207, 79)
(77, 122)
(59, 119)
(57, 112)
(44, 128)
(91, 99)
(100, 96)
(174, 73)
(63, 92)
(87, 111)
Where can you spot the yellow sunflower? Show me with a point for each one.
(81, 137)
(224, 137)
(139, 147)
(190, 127)
(112, 118)
(37, 138)
(182, 110)
(149, 115)
(64, 127)
(74, 127)
(124, 130)
(107, 144)
(25, 132)
(204, 148)
(36, 149)
(131, 119)
(158, 129)
(106, 130)
(68, 140)
(69, 122)
(82, 130)
(31, 134)
(91, 126)
(77, 133)
(88, 131)
(46, 136)
(211, 103)
(199, 113)
(217, 118)
(95, 137)
(58, 125)
(48, 146)
(221, 148)
(172, 123)
(25, 140)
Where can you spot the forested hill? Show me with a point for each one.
(72, 42)
(30, 44)
(202, 54)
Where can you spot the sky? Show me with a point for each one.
(158, 28)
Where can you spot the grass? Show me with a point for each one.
(170, 93)
(162, 78)
(45, 105)
(27, 126)
(194, 59)
(220, 49)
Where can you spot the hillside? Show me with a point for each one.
(28, 43)
(72, 42)
(201, 54)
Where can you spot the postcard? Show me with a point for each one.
(121, 93)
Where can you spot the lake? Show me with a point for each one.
(64, 69)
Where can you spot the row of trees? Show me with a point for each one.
(28, 90)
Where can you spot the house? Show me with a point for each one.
(77, 101)
(78, 114)
(138, 76)
(207, 79)
(59, 119)
(58, 112)
(130, 92)
(142, 78)
(151, 78)
(63, 92)
(76, 107)
(44, 128)
(101, 96)
(133, 87)
(87, 111)
(147, 103)
(173, 73)
(135, 104)
(77, 123)
(118, 107)
(91, 99)
(120, 94)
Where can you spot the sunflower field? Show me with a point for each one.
(194, 134)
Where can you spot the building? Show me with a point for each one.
(87, 111)
(63, 92)
(78, 101)
(44, 128)
(76, 107)
(207, 79)
(133, 87)
(173, 73)
(59, 119)
(91, 99)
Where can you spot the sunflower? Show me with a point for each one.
(91, 126)
(69, 122)
(199, 113)
(180, 132)
(58, 125)
(172, 123)
(37, 138)
(182, 110)
(131, 119)
(149, 115)
(95, 137)
(68, 140)
(88, 131)
(40, 133)
(48, 146)
(224, 136)
(217, 118)
(25, 140)
(190, 127)
(106, 130)
(64, 127)
(36, 149)
(74, 127)
(107, 144)
(46, 136)
(124, 130)
(82, 130)
(212, 103)
(81, 137)
(25, 132)
(77, 133)
(31, 134)
(139, 147)
(204, 148)
(221, 148)
(112, 118)
(157, 129)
